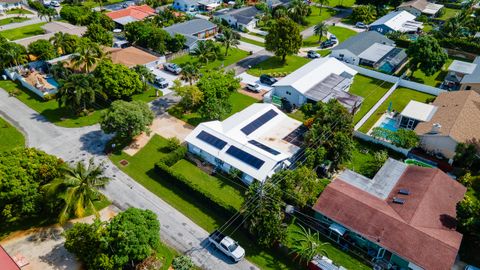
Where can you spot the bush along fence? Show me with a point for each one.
(385, 143)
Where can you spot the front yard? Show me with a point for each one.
(399, 99)
(23, 32)
(341, 33)
(12, 20)
(315, 17)
(274, 64)
(11, 137)
(251, 41)
(234, 55)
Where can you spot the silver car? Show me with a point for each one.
(253, 87)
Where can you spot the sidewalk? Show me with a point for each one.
(34, 20)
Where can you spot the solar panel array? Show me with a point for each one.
(245, 157)
(260, 121)
(264, 147)
(212, 140)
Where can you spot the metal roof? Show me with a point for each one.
(462, 67)
(376, 52)
(402, 21)
(419, 111)
(362, 41)
(474, 77)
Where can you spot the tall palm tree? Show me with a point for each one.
(87, 55)
(47, 13)
(298, 10)
(145, 74)
(78, 92)
(59, 71)
(206, 51)
(322, 3)
(17, 54)
(64, 43)
(306, 244)
(230, 38)
(78, 188)
(190, 72)
(320, 30)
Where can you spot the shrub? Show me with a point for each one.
(460, 44)
(172, 144)
(37, 5)
(182, 263)
(174, 156)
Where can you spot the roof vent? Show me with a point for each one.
(436, 128)
(398, 200)
(404, 191)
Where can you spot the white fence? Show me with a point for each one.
(368, 138)
(393, 79)
(15, 76)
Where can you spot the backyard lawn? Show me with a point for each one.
(24, 31)
(18, 11)
(435, 79)
(399, 98)
(371, 90)
(275, 65)
(234, 55)
(251, 41)
(12, 20)
(60, 116)
(315, 17)
(237, 100)
(11, 137)
(448, 13)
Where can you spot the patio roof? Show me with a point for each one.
(419, 111)
(376, 52)
(462, 67)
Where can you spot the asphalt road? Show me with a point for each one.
(80, 144)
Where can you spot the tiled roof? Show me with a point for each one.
(136, 12)
(131, 56)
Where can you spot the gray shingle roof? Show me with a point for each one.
(242, 15)
(359, 43)
(475, 76)
(190, 27)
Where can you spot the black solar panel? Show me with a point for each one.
(248, 129)
(212, 140)
(264, 147)
(245, 157)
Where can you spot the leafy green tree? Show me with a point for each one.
(117, 80)
(96, 33)
(87, 242)
(176, 43)
(320, 30)
(64, 43)
(206, 51)
(190, 72)
(283, 38)
(264, 217)
(230, 39)
(147, 35)
(42, 49)
(364, 13)
(306, 244)
(405, 138)
(427, 55)
(468, 180)
(78, 92)
(183, 263)
(127, 119)
(101, 19)
(466, 157)
(468, 215)
(87, 55)
(11, 54)
(47, 13)
(190, 95)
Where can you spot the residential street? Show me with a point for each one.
(79, 144)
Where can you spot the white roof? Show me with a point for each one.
(419, 111)
(376, 52)
(432, 8)
(462, 67)
(313, 73)
(402, 21)
(270, 134)
(477, 35)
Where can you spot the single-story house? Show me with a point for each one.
(401, 21)
(130, 14)
(50, 29)
(131, 56)
(10, 4)
(456, 120)
(403, 218)
(319, 80)
(245, 18)
(421, 7)
(463, 75)
(258, 141)
(195, 5)
(6, 261)
(370, 49)
(193, 30)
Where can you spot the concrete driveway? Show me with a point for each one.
(168, 76)
(247, 78)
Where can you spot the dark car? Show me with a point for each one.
(327, 44)
(161, 82)
(267, 79)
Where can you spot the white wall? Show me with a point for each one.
(348, 57)
(439, 144)
(290, 94)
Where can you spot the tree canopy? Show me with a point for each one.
(426, 55)
(42, 49)
(148, 35)
(97, 33)
(117, 80)
(283, 38)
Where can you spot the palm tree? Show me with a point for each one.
(16, 54)
(145, 74)
(59, 71)
(320, 30)
(87, 55)
(190, 72)
(306, 244)
(230, 38)
(47, 13)
(206, 51)
(78, 92)
(64, 43)
(78, 188)
(322, 3)
(298, 10)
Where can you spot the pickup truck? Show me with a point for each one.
(227, 245)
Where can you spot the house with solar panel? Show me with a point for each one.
(258, 141)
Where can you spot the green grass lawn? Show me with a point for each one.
(315, 17)
(371, 90)
(345, 3)
(251, 41)
(433, 80)
(24, 31)
(223, 189)
(11, 137)
(312, 41)
(234, 55)
(448, 13)
(12, 20)
(92, 4)
(274, 65)
(59, 115)
(18, 11)
(237, 100)
(298, 115)
(399, 98)
(324, 53)
(141, 168)
(341, 33)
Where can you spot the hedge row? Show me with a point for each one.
(191, 188)
(460, 44)
(174, 156)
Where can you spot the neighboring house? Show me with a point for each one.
(130, 14)
(456, 120)
(370, 49)
(421, 7)
(10, 4)
(463, 75)
(131, 56)
(195, 5)
(403, 218)
(193, 30)
(401, 21)
(50, 29)
(258, 141)
(245, 18)
(7, 262)
(319, 80)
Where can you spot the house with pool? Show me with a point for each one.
(258, 141)
(402, 218)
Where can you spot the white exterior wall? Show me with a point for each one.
(230, 19)
(184, 6)
(345, 56)
(412, 10)
(250, 26)
(440, 144)
(292, 95)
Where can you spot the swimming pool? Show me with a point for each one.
(52, 81)
(389, 123)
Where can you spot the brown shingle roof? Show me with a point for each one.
(458, 113)
(418, 4)
(130, 56)
(420, 230)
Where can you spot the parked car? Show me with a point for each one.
(46, 3)
(174, 68)
(219, 37)
(161, 82)
(124, 5)
(333, 38)
(361, 25)
(253, 87)
(54, 4)
(313, 54)
(327, 44)
(267, 79)
(227, 245)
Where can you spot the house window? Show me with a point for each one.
(341, 55)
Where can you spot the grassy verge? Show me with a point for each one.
(371, 90)
(12, 20)
(237, 100)
(316, 17)
(234, 55)
(23, 32)
(11, 137)
(275, 65)
(18, 11)
(399, 99)
(251, 41)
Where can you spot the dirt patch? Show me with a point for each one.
(123, 162)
